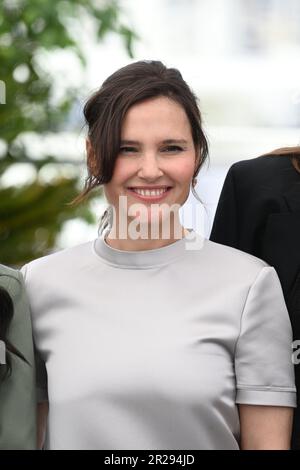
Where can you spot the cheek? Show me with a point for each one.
(123, 170)
(183, 173)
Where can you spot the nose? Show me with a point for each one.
(150, 168)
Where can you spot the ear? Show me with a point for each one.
(91, 157)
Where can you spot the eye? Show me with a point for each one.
(128, 150)
(172, 149)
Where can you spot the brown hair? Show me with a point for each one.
(106, 108)
(292, 152)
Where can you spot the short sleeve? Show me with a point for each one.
(263, 356)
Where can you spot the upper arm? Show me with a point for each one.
(265, 427)
(263, 353)
(266, 392)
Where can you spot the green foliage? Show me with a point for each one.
(30, 221)
(31, 217)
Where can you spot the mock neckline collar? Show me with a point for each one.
(147, 258)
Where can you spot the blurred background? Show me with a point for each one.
(240, 57)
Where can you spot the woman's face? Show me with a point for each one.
(156, 151)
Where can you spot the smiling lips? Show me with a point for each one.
(150, 194)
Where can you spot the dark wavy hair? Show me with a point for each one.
(6, 316)
(106, 108)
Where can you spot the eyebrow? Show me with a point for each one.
(167, 141)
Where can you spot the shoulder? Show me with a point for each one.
(222, 259)
(231, 261)
(271, 174)
(264, 161)
(262, 166)
(56, 263)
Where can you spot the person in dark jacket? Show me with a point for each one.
(259, 213)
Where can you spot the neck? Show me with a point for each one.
(146, 243)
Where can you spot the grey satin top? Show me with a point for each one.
(154, 349)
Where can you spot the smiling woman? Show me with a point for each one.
(151, 169)
(144, 137)
(177, 342)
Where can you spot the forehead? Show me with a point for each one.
(158, 115)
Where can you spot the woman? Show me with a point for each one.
(17, 372)
(259, 212)
(148, 341)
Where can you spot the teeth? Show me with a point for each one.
(148, 192)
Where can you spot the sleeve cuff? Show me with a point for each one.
(267, 397)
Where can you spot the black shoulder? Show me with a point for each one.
(265, 170)
(262, 164)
